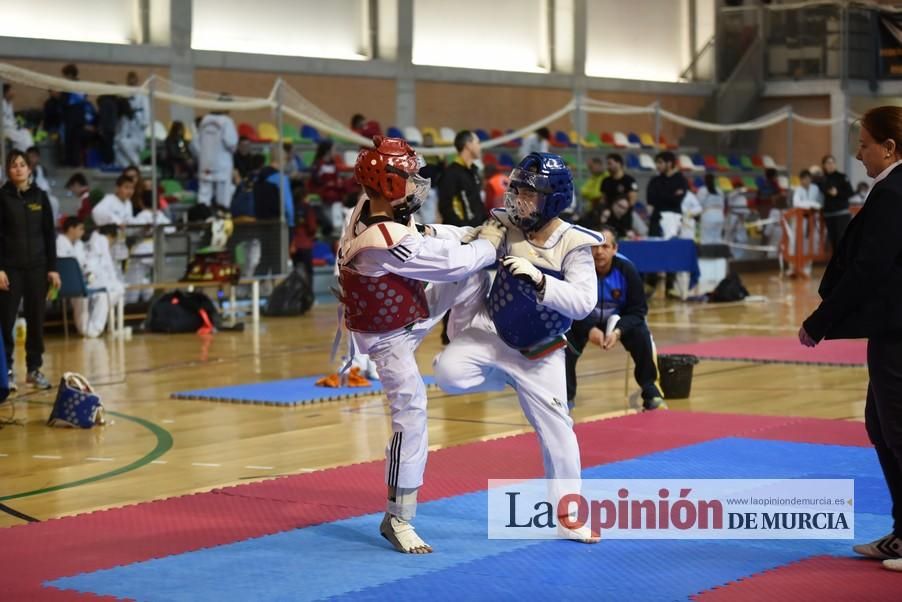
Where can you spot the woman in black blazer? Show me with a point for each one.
(861, 294)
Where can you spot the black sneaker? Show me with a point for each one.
(11, 377)
(36, 379)
(654, 403)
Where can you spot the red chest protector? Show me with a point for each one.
(381, 303)
(377, 304)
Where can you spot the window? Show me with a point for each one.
(335, 29)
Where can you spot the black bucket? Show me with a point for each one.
(676, 375)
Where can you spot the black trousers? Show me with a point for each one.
(30, 286)
(883, 417)
(636, 340)
(836, 226)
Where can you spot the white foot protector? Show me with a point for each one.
(579, 535)
(401, 534)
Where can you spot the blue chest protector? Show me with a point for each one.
(521, 321)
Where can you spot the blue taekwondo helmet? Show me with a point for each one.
(541, 187)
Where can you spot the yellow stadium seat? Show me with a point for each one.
(267, 132)
(725, 184)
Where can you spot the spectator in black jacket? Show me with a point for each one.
(619, 316)
(861, 291)
(836, 189)
(665, 195)
(27, 264)
(459, 190)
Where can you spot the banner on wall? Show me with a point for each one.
(890, 45)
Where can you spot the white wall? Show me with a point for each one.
(311, 28)
(509, 35)
(637, 39)
(106, 21)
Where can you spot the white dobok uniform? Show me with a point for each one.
(20, 137)
(217, 140)
(388, 309)
(517, 338)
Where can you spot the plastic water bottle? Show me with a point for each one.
(20, 330)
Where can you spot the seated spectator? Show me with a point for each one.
(537, 142)
(77, 185)
(178, 160)
(142, 187)
(624, 221)
(861, 194)
(713, 212)
(243, 205)
(807, 195)
(90, 313)
(116, 207)
(304, 236)
(618, 317)
(243, 157)
(367, 129)
(103, 269)
(294, 165)
(20, 137)
(141, 261)
(39, 178)
(769, 194)
(496, 182)
(590, 192)
(327, 182)
(267, 192)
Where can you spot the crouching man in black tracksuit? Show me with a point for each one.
(619, 316)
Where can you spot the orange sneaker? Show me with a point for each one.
(330, 380)
(356, 379)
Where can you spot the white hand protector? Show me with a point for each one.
(493, 232)
(471, 235)
(523, 269)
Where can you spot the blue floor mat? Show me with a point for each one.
(347, 559)
(290, 392)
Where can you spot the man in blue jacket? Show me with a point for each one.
(619, 316)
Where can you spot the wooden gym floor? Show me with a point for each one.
(156, 447)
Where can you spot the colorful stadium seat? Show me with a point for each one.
(308, 132)
(246, 130)
(267, 132)
(413, 135)
(647, 140)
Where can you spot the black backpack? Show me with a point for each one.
(182, 312)
(728, 289)
(292, 297)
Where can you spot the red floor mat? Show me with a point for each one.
(814, 579)
(38, 552)
(806, 430)
(777, 349)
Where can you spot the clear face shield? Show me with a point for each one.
(523, 201)
(418, 188)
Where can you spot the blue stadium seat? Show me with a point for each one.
(632, 162)
(393, 132)
(634, 139)
(308, 132)
(481, 134)
(505, 160)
